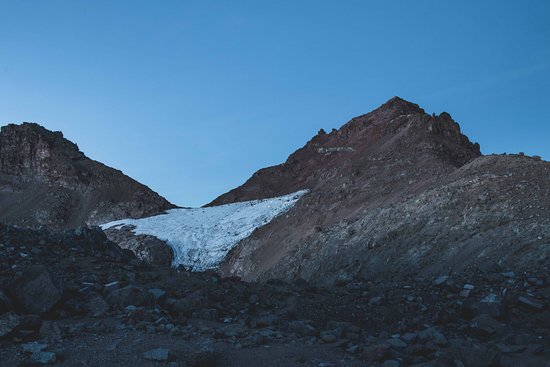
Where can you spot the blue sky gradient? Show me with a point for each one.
(192, 97)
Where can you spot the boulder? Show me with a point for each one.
(5, 303)
(8, 322)
(42, 357)
(36, 290)
(97, 306)
(158, 354)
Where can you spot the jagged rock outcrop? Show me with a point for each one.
(395, 191)
(46, 180)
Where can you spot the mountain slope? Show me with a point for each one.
(394, 191)
(46, 180)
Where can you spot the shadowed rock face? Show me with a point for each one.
(46, 180)
(395, 190)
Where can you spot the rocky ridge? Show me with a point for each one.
(46, 180)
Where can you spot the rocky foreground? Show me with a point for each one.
(75, 299)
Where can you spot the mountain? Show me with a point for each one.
(46, 180)
(398, 135)
(395, 191)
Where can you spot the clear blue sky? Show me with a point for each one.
(192, 97)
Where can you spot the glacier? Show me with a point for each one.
(202, 237)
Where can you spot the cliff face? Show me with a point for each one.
(393, 191)
(46, 180)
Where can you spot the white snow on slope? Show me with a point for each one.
(202, 237)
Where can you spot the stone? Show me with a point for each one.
(36, 290)
(432, 334)
(390, 363)
(376, 352)
(158, 354)
(409, 337)
(42, 357)
(50, 331)
(465, 293)
(523, 360)
(157, 293)
(5, 303)
(30, 322)
(397, 343)
(233, 331)
(109, 287)
(207, 314)
(253, 299)
(353, 349)
(205, 357)
(130, 295)
(97, 306)
(33, 347)
(301, 328)
(484, 325)
(375, 301)
(531, 303)
(490, 304)
(328, 336)
(441, 280)
(264, 320)
(8, 322)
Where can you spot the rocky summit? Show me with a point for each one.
(46, 180)
(392, 193)
(391, 241)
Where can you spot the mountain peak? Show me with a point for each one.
(401, 105)
(44, 173)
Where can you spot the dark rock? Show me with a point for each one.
(206, 357)
(484, 325)
(30, 322)
(441, 280)
(97, 306)
(33, 347)
(158, 294)
(264, 320)
(490, 304)
(42, 357)
(207, 314)
(531, 303)
(328, 336)
(50, 331)
(301, 328)
(159, 355)
(149, 249)
(375, 301)
(523, 360)
(37, 290)
(376, 352)
(130, 295)
(397, 343)
(5, 303)
(8, 322)
(432, 334)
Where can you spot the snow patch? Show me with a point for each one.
(201, 237)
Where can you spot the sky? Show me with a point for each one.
(192, 97)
